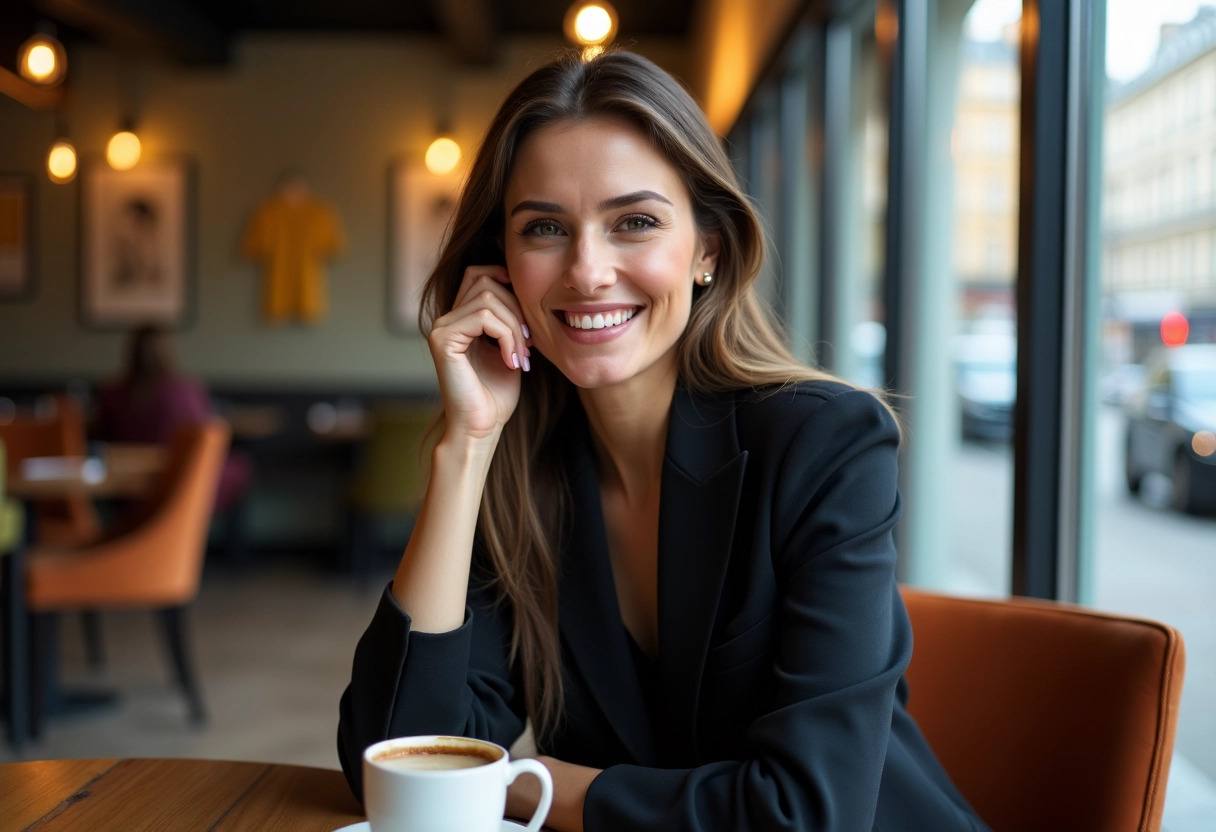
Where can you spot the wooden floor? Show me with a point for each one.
(274, 647)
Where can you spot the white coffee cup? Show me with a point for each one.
(409, 786)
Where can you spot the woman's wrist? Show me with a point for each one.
(465, 453)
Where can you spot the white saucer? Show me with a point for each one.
(363, 826)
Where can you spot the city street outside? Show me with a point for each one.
(1148, 560)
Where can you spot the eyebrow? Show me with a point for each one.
(606, 205)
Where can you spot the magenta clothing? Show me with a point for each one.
(153, 416)
(156, 414)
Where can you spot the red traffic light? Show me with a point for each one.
(1175, 329)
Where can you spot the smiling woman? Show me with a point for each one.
(604, 271)
(648, 529)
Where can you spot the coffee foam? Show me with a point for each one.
(436, 757)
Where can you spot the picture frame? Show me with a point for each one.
(420, 209)
(17, 251)
(136, 245)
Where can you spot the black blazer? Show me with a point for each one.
(777, 700)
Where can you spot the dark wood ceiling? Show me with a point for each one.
(202, 31)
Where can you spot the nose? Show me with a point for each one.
(589, 268)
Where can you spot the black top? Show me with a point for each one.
(777, 698)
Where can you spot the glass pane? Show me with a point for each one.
(983, 243)
(859, 246)
(1154, 550)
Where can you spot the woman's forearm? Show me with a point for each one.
(432, 579)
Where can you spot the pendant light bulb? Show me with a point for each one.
(591, 24)
(42, 60)
(442, 156)
(123, 150)
(61, 162)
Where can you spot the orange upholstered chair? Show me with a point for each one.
(156, 562)
(1047, 716)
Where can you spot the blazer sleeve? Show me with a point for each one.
(405, 683)
(843, 640)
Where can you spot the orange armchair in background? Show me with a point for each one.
(156, 562)
(1047, 715)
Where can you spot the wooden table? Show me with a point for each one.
(130, 471)
(173, 794)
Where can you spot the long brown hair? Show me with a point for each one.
(731, 342)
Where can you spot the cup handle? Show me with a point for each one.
(530, 766)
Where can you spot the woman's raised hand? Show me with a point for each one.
(478, 378)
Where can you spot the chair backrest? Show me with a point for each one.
(59, 432)
(157, 562)
(1047, 716)
(393, 468)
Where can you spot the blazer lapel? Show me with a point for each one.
(702, 482)
(589, 617)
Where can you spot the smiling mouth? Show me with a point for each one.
(598, 320)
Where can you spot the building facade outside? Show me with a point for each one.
(1159, 194)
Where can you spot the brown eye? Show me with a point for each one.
(542, 228)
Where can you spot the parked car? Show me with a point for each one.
(985, 379)
(1171, 426)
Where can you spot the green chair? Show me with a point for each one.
(11, 515)
(389, 480)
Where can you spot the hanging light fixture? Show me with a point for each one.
(591, 26)
(442, 156)
(42, 59)
(61, 162)
(61, 159)
(123, 149)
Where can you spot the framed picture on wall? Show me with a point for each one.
(16, 236)
(135, 245)
(420, 207)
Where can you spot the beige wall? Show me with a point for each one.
(343, 109)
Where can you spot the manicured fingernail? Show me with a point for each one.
(527, 365)
(515, 361)
(527, 332)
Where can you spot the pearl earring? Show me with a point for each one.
(706, 278)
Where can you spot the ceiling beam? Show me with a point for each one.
(170, 28)
(469, 27)
(31, 95)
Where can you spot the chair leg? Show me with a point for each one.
(173, 623)
(44, 669)
(90, 622)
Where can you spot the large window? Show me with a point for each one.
(984, 242)
(952, 215)
(1154, 542)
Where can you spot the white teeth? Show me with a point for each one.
(599, 320)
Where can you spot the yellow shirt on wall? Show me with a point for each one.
(292, 237)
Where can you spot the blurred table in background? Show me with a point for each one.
(250, 422)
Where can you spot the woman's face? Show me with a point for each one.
(602, 251)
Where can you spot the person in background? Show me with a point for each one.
(648, 530)
(151, 400)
